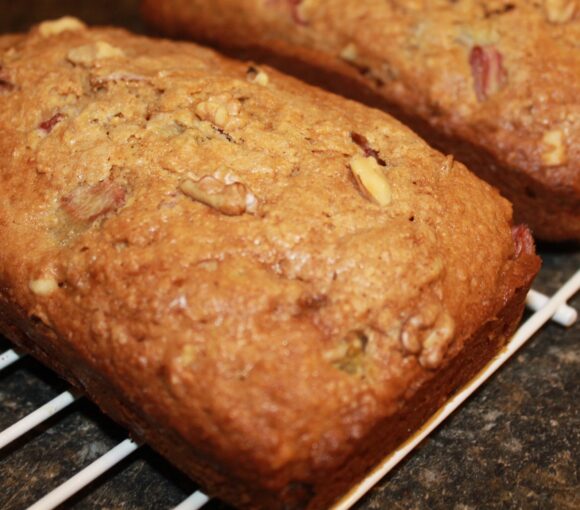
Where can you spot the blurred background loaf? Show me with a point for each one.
(495, 83)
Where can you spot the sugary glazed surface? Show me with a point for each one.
(502, 75)
(263, 268)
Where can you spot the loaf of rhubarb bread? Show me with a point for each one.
(495, 83)
(271, 285)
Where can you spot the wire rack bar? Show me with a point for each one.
(565, 315)
(522, 335)
(7, 358)
(35, 418)
(194, 502)
(86, 476)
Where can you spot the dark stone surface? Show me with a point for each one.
(515, 444)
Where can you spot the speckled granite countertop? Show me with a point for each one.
(515, 444)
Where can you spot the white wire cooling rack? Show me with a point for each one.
(545, 309)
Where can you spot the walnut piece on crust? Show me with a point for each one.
(489, 75)
(554, 148)
(560, 11)
(43, 286)
(349, 52)
(88, 54)
(87, 203)
(58, 26)
(221, 110)
(232, 199)
(257, 76)
(371, 179)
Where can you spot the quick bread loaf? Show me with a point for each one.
(271, 285)
(496, 83)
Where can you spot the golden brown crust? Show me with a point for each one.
(315, 493)
(185, 238)
(494, 82)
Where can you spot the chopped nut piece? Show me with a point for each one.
(87, 54)
(87, 203)
(489, 75)
(49, 124)
(106, 50)
(57, 26)
(554, 145)
(43, 286)
(257, 76)
(165, 125)
(349, 354)
(262, 79)
(411, 342)
(371, 179)
(220, 110)
(297, 8)
(437, 342)
(415, 327)
(225, 175)
(230, 199)
(560, 11)
(523, 241)
(349, 53)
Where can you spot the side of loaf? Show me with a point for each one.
(495, 83)
(271, 285)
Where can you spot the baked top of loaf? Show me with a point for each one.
(502, 74)
(265, 268)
